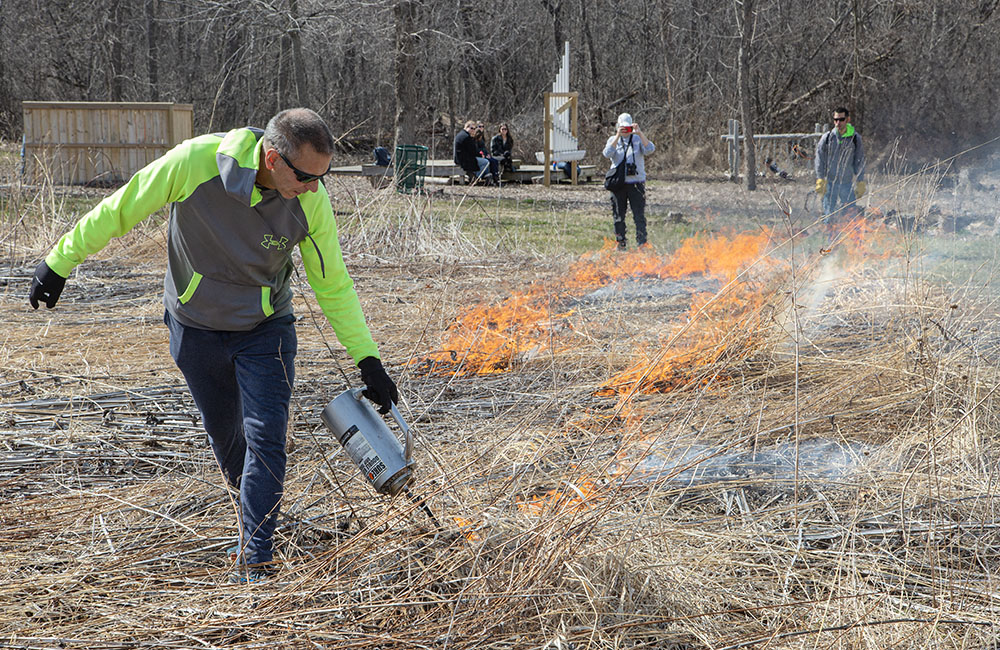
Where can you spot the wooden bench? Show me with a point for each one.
(448, 171)
(584, 174)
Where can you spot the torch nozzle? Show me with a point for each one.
(421, 502)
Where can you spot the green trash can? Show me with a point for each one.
(411, 167)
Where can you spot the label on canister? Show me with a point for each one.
(362, 453)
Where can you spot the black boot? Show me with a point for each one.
(620, 234)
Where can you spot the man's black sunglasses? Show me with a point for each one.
(300, 175)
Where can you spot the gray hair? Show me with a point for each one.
(290, 129)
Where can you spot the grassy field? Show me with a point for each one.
(759, 433)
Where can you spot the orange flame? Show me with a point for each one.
(720, 330)
(717, 256)
(726, 327)
(864, 240)
(487, 339)
(573, 496)
(467, 528)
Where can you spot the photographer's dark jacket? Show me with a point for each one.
(616, 148)
(229, 241)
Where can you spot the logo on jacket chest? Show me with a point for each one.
(270, 242)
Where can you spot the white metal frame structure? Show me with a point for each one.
(561, 124)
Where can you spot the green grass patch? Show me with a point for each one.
(514, 226)
(957, 259)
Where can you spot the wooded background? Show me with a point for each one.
(922, 73)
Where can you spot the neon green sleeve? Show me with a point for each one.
(172, 177)
(333, 286)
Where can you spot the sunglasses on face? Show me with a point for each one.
(840, 119)
(300, 175)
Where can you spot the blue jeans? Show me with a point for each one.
(484, 165)
(242, 385)
(837, 195)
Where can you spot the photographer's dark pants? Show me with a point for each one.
(242, 385)
(633, 194)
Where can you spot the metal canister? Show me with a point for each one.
(369, 443)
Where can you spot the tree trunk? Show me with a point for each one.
(404, 12)
(113, 31)
(667, 50)
(295, 33)
(588, 39)
(743, 74)
(152, 52)
(282, 75)
(857, 76)
(7, 102)
(555, 10)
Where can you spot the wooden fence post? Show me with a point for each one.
(734, 151)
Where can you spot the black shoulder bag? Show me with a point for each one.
(614, 179)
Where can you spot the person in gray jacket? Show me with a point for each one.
(629, 143)
(239, 202)
(840, 165)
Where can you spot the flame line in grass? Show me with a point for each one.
(491, 338)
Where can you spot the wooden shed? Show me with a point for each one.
(99, 142)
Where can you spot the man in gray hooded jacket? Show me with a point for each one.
(840, 165)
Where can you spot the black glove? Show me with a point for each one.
(380, 389)
(46, 286)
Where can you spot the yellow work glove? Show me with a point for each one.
(859, 189)
(821, 186)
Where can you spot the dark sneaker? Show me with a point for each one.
(241, 575)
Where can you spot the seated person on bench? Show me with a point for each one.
(483, 151)
(501, 147)
(466, 153)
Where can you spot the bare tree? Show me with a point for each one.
(152, 50)
(554, 8)
(745, 25)
(407, 99)
(298, 62)
(115, 12)
(376, 79)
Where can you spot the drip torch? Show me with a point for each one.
(373, 448)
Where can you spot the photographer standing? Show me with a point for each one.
(631, 145)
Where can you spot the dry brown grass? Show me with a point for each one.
(570, 520)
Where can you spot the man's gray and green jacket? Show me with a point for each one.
(229, 242)
(840, 158)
